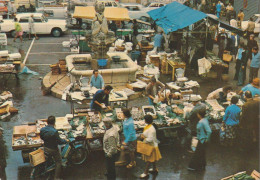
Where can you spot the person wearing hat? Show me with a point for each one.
(110, 146)
(192, 116)
(253, 88)
(153, 89)
(231, 121)
(250, 44)
(255, 64)
(2, 156)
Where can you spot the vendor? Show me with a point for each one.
(97, 80)
(100, 99)
(153, 89)
(253, 88)
(220, 94)
(159, 41)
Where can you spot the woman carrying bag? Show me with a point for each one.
(129, 143)
(149, 137)
(198, 160)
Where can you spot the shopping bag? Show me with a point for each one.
(194, 143)
(227, 57)
(144, 148)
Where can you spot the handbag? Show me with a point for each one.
(194, 143)
(144, 148)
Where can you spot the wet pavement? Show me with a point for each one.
(28, 98)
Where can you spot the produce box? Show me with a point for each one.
(255, 175)
(37, 157)
(24, 129)
(19, 141)
(34, 140)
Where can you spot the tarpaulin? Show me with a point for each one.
(111, 13)
(175, 16)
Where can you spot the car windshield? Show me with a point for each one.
(254, 18)
(44, 18)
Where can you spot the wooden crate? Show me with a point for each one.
(34, 138)
(37, 157)
(255, 175)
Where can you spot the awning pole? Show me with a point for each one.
(205, 49)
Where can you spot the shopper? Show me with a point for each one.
(235, 41)
(239, 56)
(51, 139)
(212, 9)
(250, 27)
(230, 122)
(250, 120)
(110, 146)
(222, 43)
(100, 99)
(255, 63)
(230, 10)
(192, 116)
(252, 87)
(218, 9)
(149, 137)
(31, 28)
(153, 89)
(198, 161)
(158, 41)
(2, 156)
(242, 71)
(97, 80)
(250, 44)
(129, 143)
(18, 30)
(241, 15)
(220, 94)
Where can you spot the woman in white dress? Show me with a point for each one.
(31, 28)
(149, 136)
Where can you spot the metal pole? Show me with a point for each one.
(205, 49)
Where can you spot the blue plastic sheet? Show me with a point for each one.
(26, 70)
(175, 16)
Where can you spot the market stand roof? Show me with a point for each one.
(111, 13)
(175, 16)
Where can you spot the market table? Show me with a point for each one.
(10, 70)
(116, 99)
(174, 65)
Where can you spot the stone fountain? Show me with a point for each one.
(100, 39)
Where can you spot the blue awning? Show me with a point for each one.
(175, 16)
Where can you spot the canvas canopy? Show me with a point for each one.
(175, 16)
(111, 13)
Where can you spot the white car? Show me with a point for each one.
(135, 11)
(154, 5)
(42, 25)
(256, 19)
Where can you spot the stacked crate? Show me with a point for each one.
(55, 69)
(63, 67)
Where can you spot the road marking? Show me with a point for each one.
(27, 54)
(39, 53)
(38, 64)
(46, 43)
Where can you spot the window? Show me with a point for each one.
(48, 13)
(37, 19)
(114, 4)
(24, 20)
(161, 5)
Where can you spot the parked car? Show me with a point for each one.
(108, 3)
(42, 25)
(135, 11)
(256, 19)
(57, 12)
(154, 5)
(25, 5)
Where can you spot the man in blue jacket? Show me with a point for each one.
(51, 139)
(255, 64)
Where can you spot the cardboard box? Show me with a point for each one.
(255, 175)
(37, 157)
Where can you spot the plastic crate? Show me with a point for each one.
(102, 62)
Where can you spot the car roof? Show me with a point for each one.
(26, 14)
(131, 4)
(258, 15)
